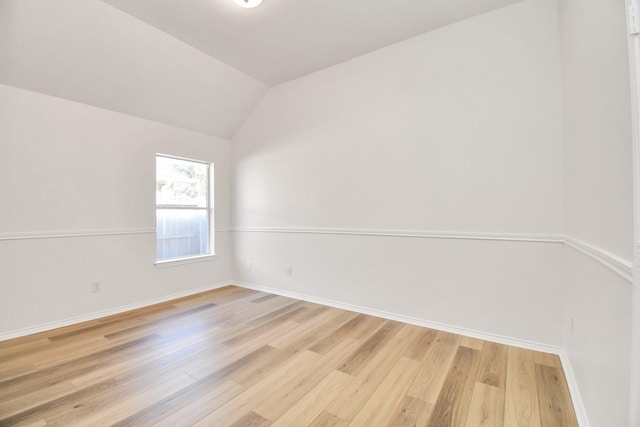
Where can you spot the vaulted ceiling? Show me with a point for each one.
(202, 65)
(281, 40)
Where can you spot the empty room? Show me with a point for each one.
(319, 213)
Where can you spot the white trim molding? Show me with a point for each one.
(38, 235)
(74, 233)
(187, 260)
(109, 312)
(618, 265)
(544, 238)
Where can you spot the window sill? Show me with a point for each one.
(182, 261)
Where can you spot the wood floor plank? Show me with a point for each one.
(452, 406)
(35, 398)
(167, 319)
(286, 310)
(60, 352)
(314, 310)
(258, 369)
(234, 409)
(188, 350)
(329, 319)
(311, 405)
(14, 387)
(274, 406)
(264, 328)
(547, 359)
(363, 329)
(340, 333)
(487, 406)
(354, 363)
(493, 365)
(32, 423)
(97, 328)
(420, 347)
(250, 312)
(320, 333)
(521, 402)
(16, 370)
(201, 407)
(411, 412)
(11, 350)
(225, 368)
(63, 405)
(326, 419)
(473, 343)
(434, 370)
(358, 392)
(116, 412)
(241, 350)
(383, 404)
(252, 420)
(221, 296)
(556, 409)
(264, 298)
(234, 313)
(118, 388)
(143, 313)
(120, 385)
(181, 398)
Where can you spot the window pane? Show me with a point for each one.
(181, 182)
(181, 233)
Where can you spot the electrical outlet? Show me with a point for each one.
(96, 287)
(249, 264)
(288, 270)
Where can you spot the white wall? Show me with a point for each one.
(474, 285)
(91, 52)
(599, 202)
(597, 118)
(455, 130)
(70, 168)
(599, 346)
(458, 129)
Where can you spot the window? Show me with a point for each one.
(183, 208)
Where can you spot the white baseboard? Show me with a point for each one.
(500, 339)
(578, 404)
(104, 313)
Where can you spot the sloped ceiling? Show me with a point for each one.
(90, 52)
(198, 64)
(282, 40)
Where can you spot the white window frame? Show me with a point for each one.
(210, 215)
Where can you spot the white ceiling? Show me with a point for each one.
(281, 40)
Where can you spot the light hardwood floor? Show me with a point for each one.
(237, 357)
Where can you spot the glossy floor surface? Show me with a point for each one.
(238, 357)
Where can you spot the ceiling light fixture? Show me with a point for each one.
(248, 4)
